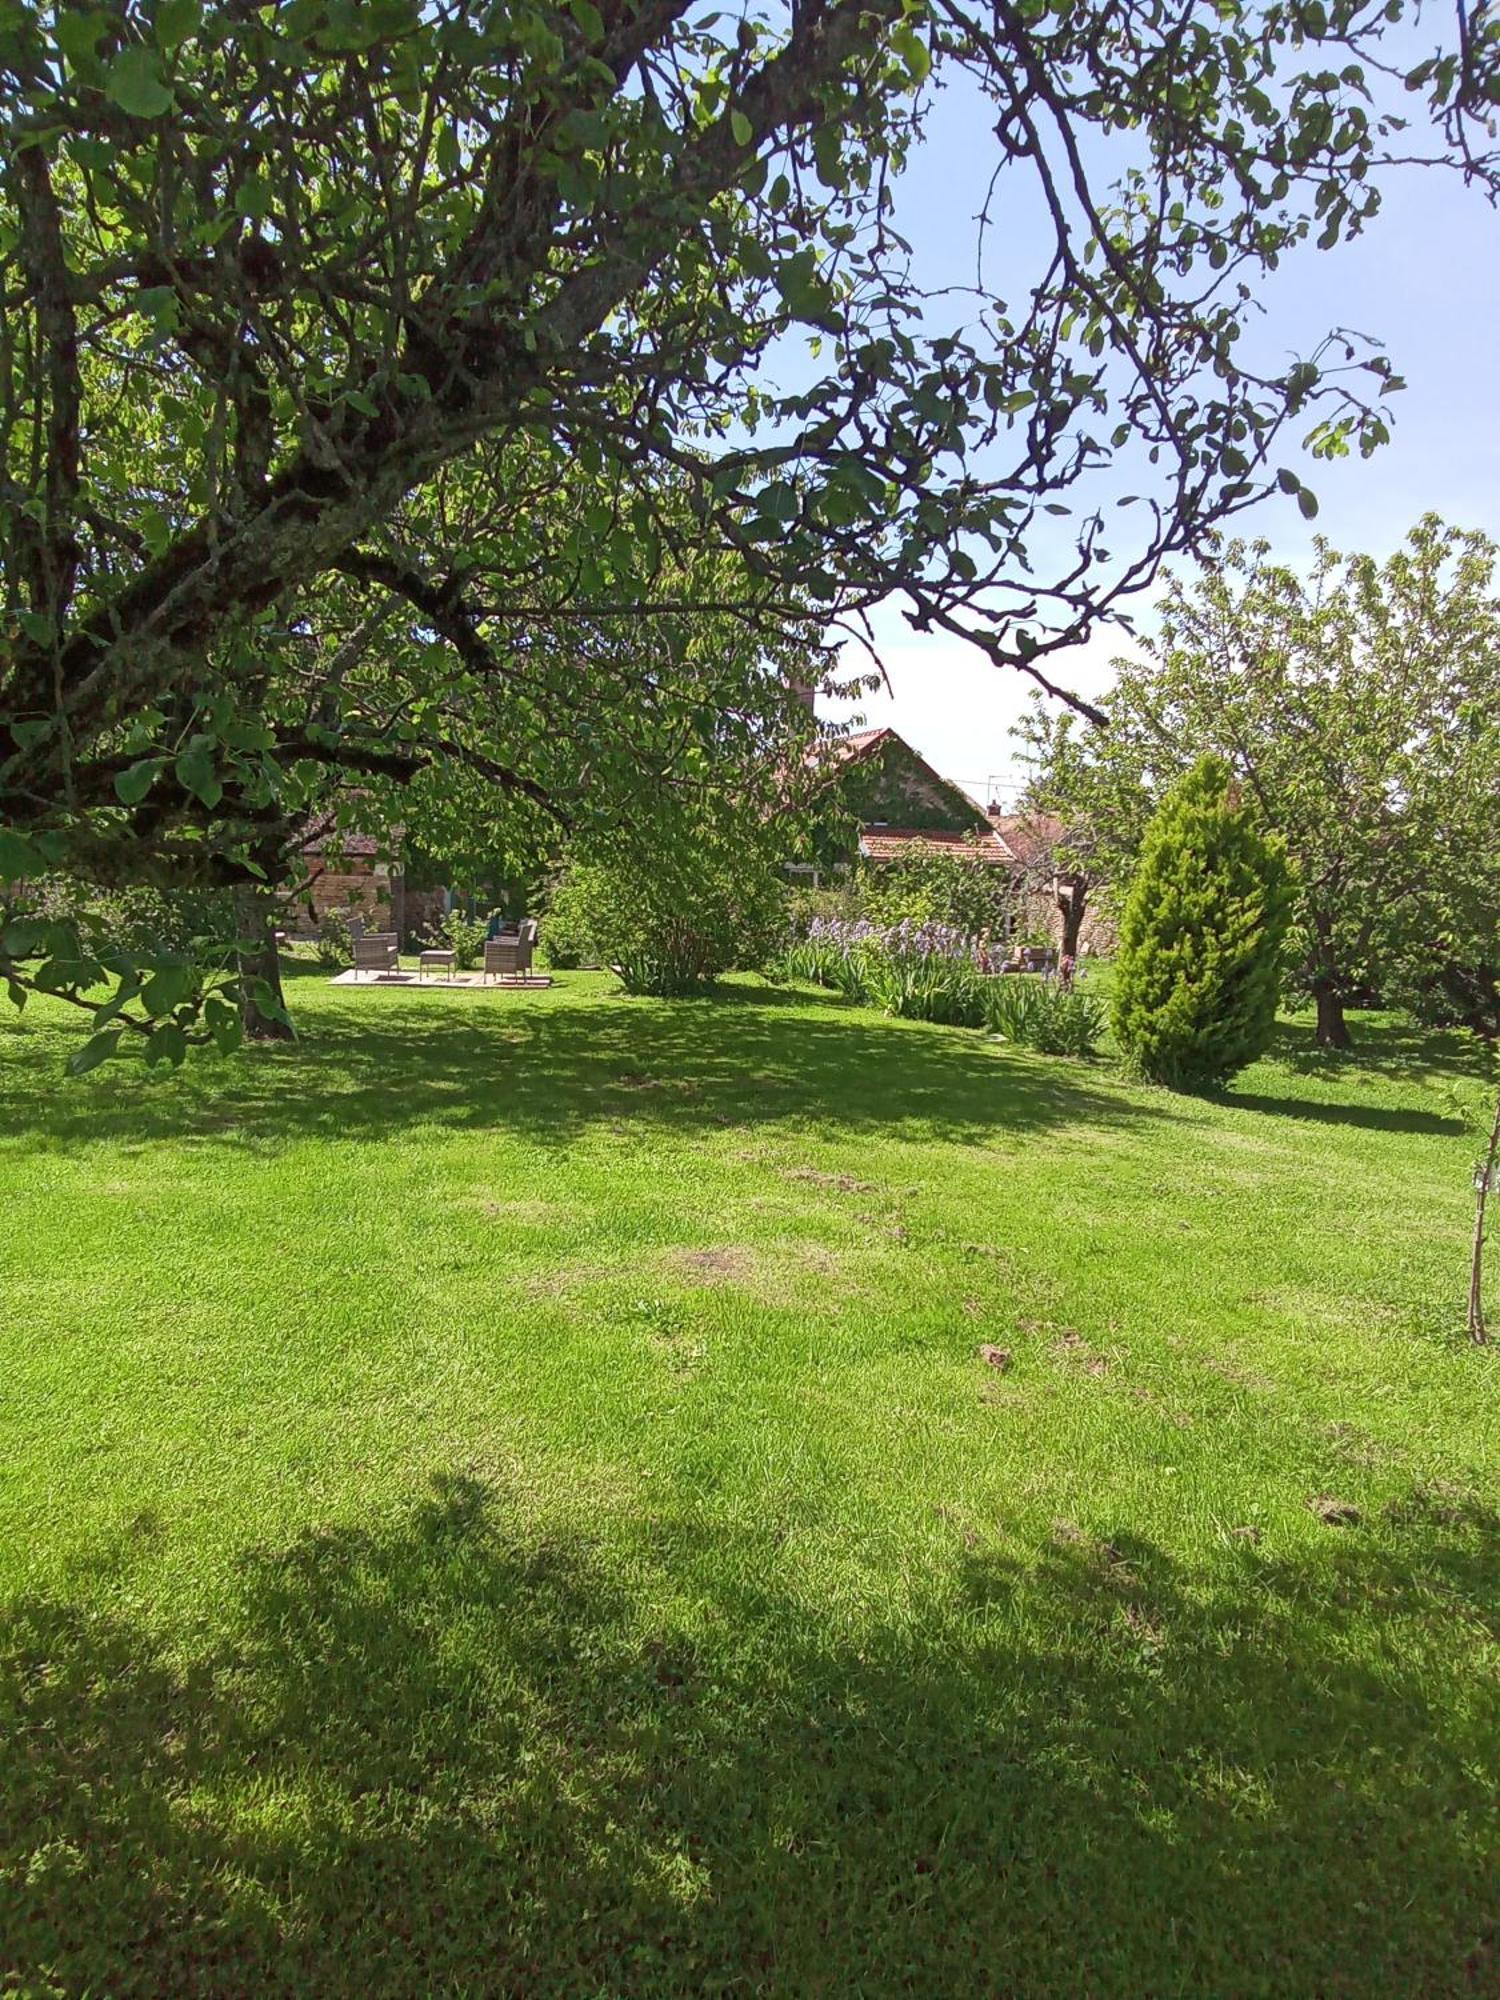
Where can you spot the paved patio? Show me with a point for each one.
(409, 981)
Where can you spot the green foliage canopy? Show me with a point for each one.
(1357, 707)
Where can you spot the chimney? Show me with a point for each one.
(803, 692)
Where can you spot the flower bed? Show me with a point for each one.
(931, 972)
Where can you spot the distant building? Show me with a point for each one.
(899, 801)
(355, 873)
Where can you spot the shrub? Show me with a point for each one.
(1199, 967)
(829, 954)
(197, 925)
(841, 901)
(932, 885)
(464, 937)
(921, 972)
(1044, 1015)
(930, 972)
(925, 972)
(563, 944)
(1013, 1005)
(333, 947)
(672, 922)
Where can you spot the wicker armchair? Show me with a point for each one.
(509, 957)
(376, 952)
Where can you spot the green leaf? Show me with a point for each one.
(777, 502)
(913, 51)
(196, 773)
(135, 83)
(132, 785)
(77, 32)
(156, 530)
(806, 295)
(265, 999)
(588, 17)
(97, 1049)
(167, 989)
(24, 938)
(829, 163)
(223, 1024)
(166, 1044)
(739, 125)
(175, 21)
(1308, 502)
(18, 857)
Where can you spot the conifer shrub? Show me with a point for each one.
(1199, 968)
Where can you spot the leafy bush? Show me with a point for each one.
(1199, 968)
(921, 972)
(464, 937)
(1044, 1015)
(925, 972)
(333, 946)
(932, 885)
(829, 954)
(142, 921)
(842, 901)
(1014, 1004)
(563, 943)
(672, 922)
(929, 972)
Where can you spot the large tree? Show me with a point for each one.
(1357, 707)
(313, 311)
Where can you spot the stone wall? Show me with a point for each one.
(1039, 911)
(353, 888)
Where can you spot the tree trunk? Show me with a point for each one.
(1476, 1266)
(1072, 904)
(255, 913)
(1333, 1029)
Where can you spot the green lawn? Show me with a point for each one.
(504, 1498)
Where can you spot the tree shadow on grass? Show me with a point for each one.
(1370, 1117)
(741, 1057)
(449, 1754)
(1383, 1044)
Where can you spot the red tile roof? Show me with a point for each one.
(1030, 836)
(888, 843)
(346, 846)
(832, 751)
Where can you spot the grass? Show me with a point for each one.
(504, 1498)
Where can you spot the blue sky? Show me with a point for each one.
(1424, 279)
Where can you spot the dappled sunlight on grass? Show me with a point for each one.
(547, 1066)
(455, 1745)
(550, 1494)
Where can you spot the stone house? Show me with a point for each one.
(897, 800)
(1057, 900)
(354, 872)
(900, 802)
